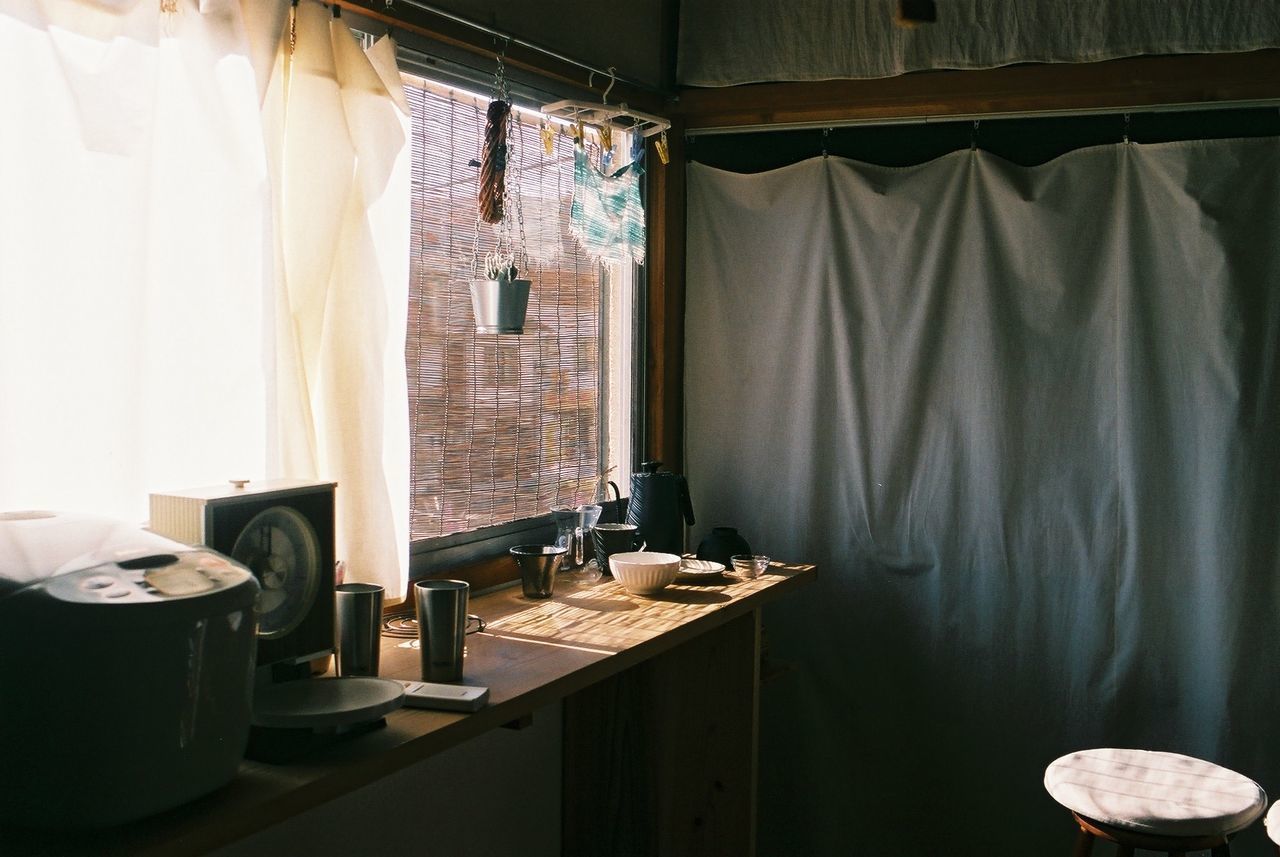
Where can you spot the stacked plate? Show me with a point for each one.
(693, 570)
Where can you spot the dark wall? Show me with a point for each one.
(627, 36)
(1024, 141)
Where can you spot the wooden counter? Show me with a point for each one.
(660, 707)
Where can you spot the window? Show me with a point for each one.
(504, 427)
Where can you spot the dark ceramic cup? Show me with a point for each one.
(614, 538)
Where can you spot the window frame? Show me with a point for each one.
(471, 555)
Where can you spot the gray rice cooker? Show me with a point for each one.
(126, 673)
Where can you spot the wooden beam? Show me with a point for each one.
(664, 267)
(1134, 83)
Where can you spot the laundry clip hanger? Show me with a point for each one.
(606, 114)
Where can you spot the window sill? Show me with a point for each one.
(480, 556)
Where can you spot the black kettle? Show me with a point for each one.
(660, 507)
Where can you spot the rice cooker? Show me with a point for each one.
(126, 670)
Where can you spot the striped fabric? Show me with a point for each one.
(1165, 794)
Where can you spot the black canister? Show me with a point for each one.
(660, 507)
(721, 544)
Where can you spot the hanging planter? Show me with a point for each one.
(499, 303)
(499, 299)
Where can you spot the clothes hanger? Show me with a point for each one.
(606, 114)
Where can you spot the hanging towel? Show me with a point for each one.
(607, 217)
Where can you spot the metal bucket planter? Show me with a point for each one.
(499, 305)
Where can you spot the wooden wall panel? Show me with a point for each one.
(1136, 82)
(651, 768)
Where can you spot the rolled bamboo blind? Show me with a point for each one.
(503, 427)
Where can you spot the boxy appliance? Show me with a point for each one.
(127, 676)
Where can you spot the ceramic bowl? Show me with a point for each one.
(644, 572)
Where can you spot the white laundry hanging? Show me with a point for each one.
(607, 216)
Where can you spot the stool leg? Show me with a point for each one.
(1084, 844)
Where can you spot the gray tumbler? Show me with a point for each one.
(358, 611)
(442, 627)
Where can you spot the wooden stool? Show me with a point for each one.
(1272, 824)
(1155, 801)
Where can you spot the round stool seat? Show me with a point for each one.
(1159, 794)
(1272, 823)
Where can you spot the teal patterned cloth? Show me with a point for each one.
(607, 216)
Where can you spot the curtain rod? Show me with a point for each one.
(983, 117)
(507, 37)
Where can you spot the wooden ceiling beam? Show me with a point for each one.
(1133, 83)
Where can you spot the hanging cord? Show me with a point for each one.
(826, 135)
(973, 136)
(1125, 138)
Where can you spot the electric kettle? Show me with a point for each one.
(660, 507)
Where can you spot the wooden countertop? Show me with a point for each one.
(532, 653)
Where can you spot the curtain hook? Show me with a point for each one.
(973, 136)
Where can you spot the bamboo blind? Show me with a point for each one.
(503, 427)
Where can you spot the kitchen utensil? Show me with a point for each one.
(609, 539)
(538, 565)
(661, 507)
(152, 643)
(721, 544)
(644, 572)
(442, 627)
(572, 525)
(750, 566)
(359, 620)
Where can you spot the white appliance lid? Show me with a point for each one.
(38, 545)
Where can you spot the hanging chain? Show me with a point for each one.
(501, 90)
(514, 177)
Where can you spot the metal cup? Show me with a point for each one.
(538, 565)
(442, 627)
(358, 617)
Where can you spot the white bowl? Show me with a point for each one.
(644, 572)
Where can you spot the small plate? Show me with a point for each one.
(701, 568)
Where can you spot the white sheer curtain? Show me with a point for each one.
(133, 209)
(181, 304)
(337, 123)
(723, 43)
(1028, 423)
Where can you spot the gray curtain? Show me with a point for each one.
(1025, 420)
(727, 42)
